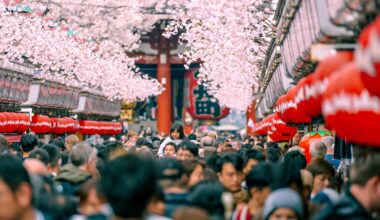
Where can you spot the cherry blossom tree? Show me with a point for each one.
(230, 37)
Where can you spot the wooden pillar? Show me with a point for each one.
(164, 100)
(251, 118)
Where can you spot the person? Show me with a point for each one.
(252, 158)
(360, 200)
(323, 173)
(207, 141)
(90, 201)
(28, 143)
(187, 150)
(16, 191)
(54, 159)
(156, 207)
(258, 183)
(208, 195)
(208, 152)
(82, 168)
(329, 141)
(130, 191)
(176, 136)
(172, 179)
(71, 141)
(317, 149)
(194, 171)
(170, 150)
(41, 155)
(283, 203)
(35, 166)
(3, 145)
(273, 152)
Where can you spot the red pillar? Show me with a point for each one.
(251, 118)
(164, 100)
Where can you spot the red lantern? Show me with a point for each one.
(3, 122)
(367, 56)
(12, 123)
(117, 128)
(350, 109)
(200, 104)
(279, 131)
(290, 113)
(308, 138)
(24, 123)
(40, 124)
(85, 127)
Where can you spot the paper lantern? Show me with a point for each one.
(3, 122)
(367, 57)
(40, 124)
(279, 131)
(312, 88)
(308, 138)
(350, 109)
(24, 123)
(11, 122)
(290, 113)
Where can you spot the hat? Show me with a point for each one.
(169, 168)
(283, 198)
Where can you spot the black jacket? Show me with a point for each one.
(347, 208)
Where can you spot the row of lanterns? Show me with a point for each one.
(18, 122)
(344, 88)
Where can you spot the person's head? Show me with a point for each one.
(3, 144)
(297, 148)
(171, 174)
(365, 176)
(329, 142)
(317, 149)
(190, 213)
(132, 136)
(170, 150)
(157, 203)
(252, 158)
(28, 143)
(207, 142)
(84, 155)
(230, 171)
(192, 137)
(15, 188)
(273, 153)
(60, 143)
(296, 139)
(90, 202)
(283, 203)
(207, 195)
(322, 172)
(187, 150)
(209, 151)
(71, 141)
(128, 192)
(307, 182)
(176, 132)
(54, 155)
(297, 159)
(194, 171)
(40, 154)
(258, 182)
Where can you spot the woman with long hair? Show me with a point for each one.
(176, 136)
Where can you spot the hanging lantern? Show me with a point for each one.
(312, 88)
(85, 127)
(40, 124)
(24, 123)
(308, 138)
(3, 122)
(290, 113)
(367, 56)
(279, 131)
(350, 109)
(12, 123)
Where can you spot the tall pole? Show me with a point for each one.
(164, 100)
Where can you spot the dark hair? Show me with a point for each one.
(288, 173)
(144, 142)
(59, 143)
(320, 166)
(235, 159)
(3, 143)
(41, 155)
(64, 158)
(296, 158)
(192, 137)
(177, 127)
(273, 154)
(246, 146)
(171, 143)
(272, 144)
(16, 147)
(207, 195)
(190, 146)
(260, 176)
(254, 155)
(54, 153)
(28, 142)
(123, 189)
(102, 152)
(12, 172)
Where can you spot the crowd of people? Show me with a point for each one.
(201, 176)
